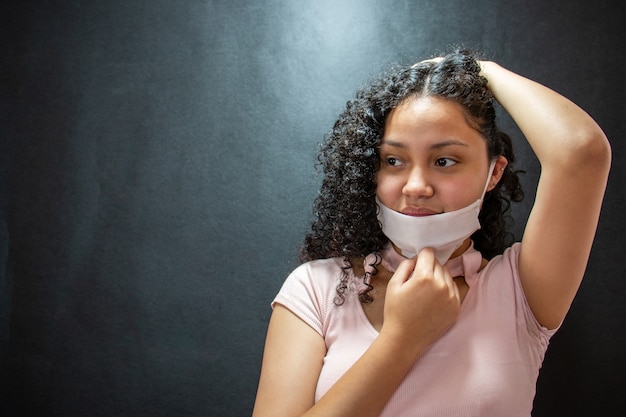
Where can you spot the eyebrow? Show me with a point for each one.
(438, 145)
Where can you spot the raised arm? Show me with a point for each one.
(575, 158)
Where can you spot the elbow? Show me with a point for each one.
(599, 152)
(592, 149)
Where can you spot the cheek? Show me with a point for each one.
(388, 189)
(460, 194)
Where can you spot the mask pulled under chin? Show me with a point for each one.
(444, 232)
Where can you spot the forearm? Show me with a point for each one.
(557, 129)
(367, 386)
(575, 159)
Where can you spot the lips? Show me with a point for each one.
(418, 211)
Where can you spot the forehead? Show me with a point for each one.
(430, 118)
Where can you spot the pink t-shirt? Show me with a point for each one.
(486, 364)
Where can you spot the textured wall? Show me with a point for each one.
(157, 167)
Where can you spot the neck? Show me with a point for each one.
(461, 249)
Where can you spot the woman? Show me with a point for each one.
(407, 305)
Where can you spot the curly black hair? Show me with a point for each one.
(345, 211)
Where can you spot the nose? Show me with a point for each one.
(418, 184)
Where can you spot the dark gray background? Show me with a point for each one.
(157, 173)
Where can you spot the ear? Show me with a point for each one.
(498, 171)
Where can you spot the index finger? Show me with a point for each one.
(425, 263)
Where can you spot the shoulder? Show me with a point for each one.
(311, 289)
(318, 272)
(502, 270)
(508, 260)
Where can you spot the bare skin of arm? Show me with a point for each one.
(418, 310)
(575, 158)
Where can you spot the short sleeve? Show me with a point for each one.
(308, 290)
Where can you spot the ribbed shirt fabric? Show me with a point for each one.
(486, 364)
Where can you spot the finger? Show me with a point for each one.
(442, 274)
(452, 287)
(404, 271)
(457, 294)
(425, 262)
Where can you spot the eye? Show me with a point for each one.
(445, 162)
(393, 161)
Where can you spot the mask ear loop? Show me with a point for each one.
(489, 175)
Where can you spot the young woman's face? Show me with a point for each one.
(431, 160)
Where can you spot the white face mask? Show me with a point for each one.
(444, 232)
